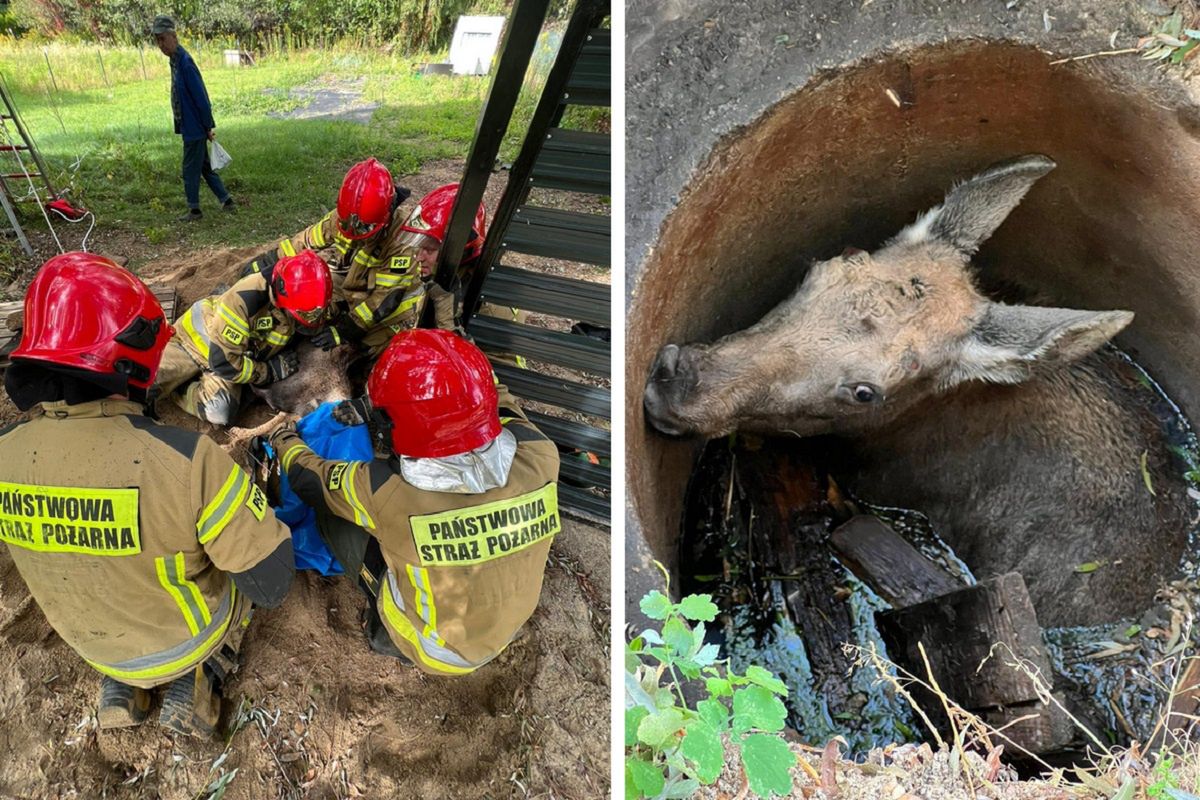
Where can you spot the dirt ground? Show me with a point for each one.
(314, 713)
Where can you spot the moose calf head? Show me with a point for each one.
(868, 336)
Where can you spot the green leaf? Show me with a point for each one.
(677, 636)
(659, 728)
(1146, 473)
(646, 776)
(1126, 791)
(1090, 566)
(707, 655)
(768, 762)
(698, 607)
(655, 605)
(764, 678)
(713, 712)
(756, 707)
(689, 668)
(719, 687)
(702, 745)
(632, 792)
(1132, 631)
(633, 718)
(682, 789)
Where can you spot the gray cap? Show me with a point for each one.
(162, 24)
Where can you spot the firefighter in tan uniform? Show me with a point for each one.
(244, 336)
(143, 544)
(377, 253)
(460, 516)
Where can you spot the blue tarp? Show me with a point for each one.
(328, 438)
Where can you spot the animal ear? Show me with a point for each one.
(1009, 342)
(974, 208)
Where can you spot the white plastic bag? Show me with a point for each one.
(218, 157)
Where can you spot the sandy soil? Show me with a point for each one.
(319, 715)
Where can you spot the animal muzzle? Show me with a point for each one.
(672, 379)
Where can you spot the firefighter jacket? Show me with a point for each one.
(128, 532)
(464, 571)
(233, 334)
(378, 278)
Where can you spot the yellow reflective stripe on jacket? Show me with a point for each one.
(247, 371)
(287, 247)
(361, 517)
(233, 319)
(342, 243)
(181, 656)
(431, 654)
(318, 231)
(365, 313)
(476, 534)
(172, 575)
(275, 339)
(290, 456)
(193, 325)
(217, 514)
(391, 279)
(404, 307)
(419, 578)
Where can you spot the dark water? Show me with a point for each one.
(1117, 678)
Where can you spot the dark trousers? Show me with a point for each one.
(358, 553)
(195, 166)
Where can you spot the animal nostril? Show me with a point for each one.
(667, 362)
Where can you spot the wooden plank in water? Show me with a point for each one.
(959, 631)
(1036, 726)
(892, 567)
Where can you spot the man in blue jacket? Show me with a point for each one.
(193, 120)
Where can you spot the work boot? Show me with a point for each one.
(229, 206)
(192, 215)
(121, 705)
(190, 706)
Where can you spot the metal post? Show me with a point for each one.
(16, 225)
(520, 37)
(587, 15)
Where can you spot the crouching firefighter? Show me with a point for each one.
(244, 336)
(449, 532)
(143, 544)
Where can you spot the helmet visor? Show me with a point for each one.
(311, 318)
(356, 228)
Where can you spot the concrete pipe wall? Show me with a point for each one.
(763, 137)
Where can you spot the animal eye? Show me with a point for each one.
(864, 393)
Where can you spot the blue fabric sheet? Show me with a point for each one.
(328, 438)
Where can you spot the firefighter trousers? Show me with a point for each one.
(195, 389)
(359, 554)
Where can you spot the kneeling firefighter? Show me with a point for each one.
(449, 532)
(143, 544)
(244, 336)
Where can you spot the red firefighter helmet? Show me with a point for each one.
(438, 391)
(365, 202)
(84, 311)
(302, 287)
(432, 215)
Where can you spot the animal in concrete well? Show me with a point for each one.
(1001, 422)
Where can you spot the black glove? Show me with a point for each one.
(280, 367)
(260, 263)
(353, 412)
(327, 338)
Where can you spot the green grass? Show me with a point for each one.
(114, 146)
